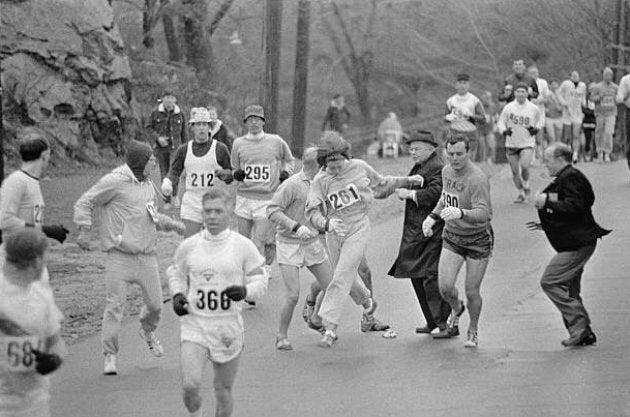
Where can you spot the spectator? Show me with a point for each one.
(390, 135)
(337, 116)
(218, 130)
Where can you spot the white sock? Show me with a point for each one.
(525, 185)
(198, 413)
(369, 306)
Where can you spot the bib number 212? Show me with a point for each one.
(212, 300)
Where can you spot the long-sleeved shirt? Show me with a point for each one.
(468, 190)
(204, 265)
(623, 92)
(466, 111)
(169, 124)
(603, 96)
(518, 117)
(21, 202)
(572, 97)
(287, 207)
(262, 157)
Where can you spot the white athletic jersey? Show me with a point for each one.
(572, 97)
(519, 117)
(204, 265)
(462, 107)
(21, 202)
(200, 177)
(28, 317)
(543, 93)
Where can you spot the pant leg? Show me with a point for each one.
(607, 134)
(628, 136)
(346, 254)
(418, 287)
(148, 278)
(163, 156)
(118, 273)
(439, 308)
(561, 283)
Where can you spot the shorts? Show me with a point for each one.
(223, 337)
(250, 209)
(554, 123)
(477, 246)
(301, 254)
(191, 208)
(516, 151)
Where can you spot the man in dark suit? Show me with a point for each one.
(564, 209)
(418, 255)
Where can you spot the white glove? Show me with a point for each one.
(450, 117)
(427, 226)
(451, 213)
(167, 187)
(404, 193)
(304, 233)
(416, 180)
(337, 226)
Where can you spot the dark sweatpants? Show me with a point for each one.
(163, 156)
(434, 308)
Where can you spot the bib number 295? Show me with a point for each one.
(212, 300)
(257, 173)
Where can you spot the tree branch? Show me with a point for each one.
(221, 13)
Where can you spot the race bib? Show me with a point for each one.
(208, 293)
(344, 197)
(201, 180)
(608, 101)
(450, 200)
(257, 173)
(16, 352)
(152, 211)
(38, 214)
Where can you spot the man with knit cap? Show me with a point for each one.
(129, 221)
(261, 161)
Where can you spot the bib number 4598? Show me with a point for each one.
(212, 300)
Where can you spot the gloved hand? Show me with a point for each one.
(451, 213)
(404, 193)
(507, 132)
(472, 120)
(239, 175)
(56, 231)
(305, 233)
(532, 130)
(450, 117)
(224, 175)
(284, 175)
(416, 180)
(533, 226)
(427, 226)
(46, 362)
(337, 226)
(84, 239)
(180, 304)
(236, 292)
(167, 187)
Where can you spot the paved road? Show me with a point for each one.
(520, 368)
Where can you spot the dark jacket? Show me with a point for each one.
(169, 124)
(514, 79)
(219, 132)
(418, 255)
(567, 218)
(336, 118)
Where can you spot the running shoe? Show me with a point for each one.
(369, 323)
(453, 320)
(328, 340)
(520, 198)
(152, 342)
(110, 365)
(176, 203)
(472, 341)
(446, 333)
(527, 192)
(309, 307)
(425, 330)
(267, 269)
(283, 344)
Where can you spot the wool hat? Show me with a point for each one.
(199, 115)
(521, 85)
(332, 144)
(254, 110)
(422, 136)
(463, 77)
(23, 247)
(138, 154)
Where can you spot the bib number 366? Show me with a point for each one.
(213, 300)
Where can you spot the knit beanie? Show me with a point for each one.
(138, 154)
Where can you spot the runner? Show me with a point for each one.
(553, 114)
(211, 272)
(518, 76)
(540, 101)
(125, 200)
(623, 97)
(519, 122)
(572, 96)
(30, 328)
(603, 94)
(261, 161)
(467, 237)
(338, 202)
(205, 161)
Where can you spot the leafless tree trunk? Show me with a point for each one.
(197, 39)
(170, 35)
(300, 83)
(270, 83)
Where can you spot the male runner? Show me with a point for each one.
(212, 270)
(572, 96)
(519, 75)
(519, 122)
(261, 161)
(464, 111)
(30, 327)
(206, 161)
(467, 237)
(603, 94)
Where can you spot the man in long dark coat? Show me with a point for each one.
(418, 255)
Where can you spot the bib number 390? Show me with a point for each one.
(450, 200)
(212, 300)
(344, 197)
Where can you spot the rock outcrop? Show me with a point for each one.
(65, 71)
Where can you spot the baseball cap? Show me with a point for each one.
(463, 77)
(199, 115)
(254, 110)
(522, 85)
(422, 136)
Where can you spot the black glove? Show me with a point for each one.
(236, 292)
(46, 362)
(532, 130)
(472, 120)
(56, 231)
(507, 132)
(239, 175)
(284, 175)
(179, 304)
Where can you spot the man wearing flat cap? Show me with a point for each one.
(419, 255)
(464, 112)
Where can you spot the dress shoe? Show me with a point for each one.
(425, 330)
(577, 339)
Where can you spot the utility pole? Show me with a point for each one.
(272, 29)
(621, 36)
(300, 82)
(1, 136)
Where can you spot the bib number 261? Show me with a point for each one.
(212, 300)
(345, 197)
